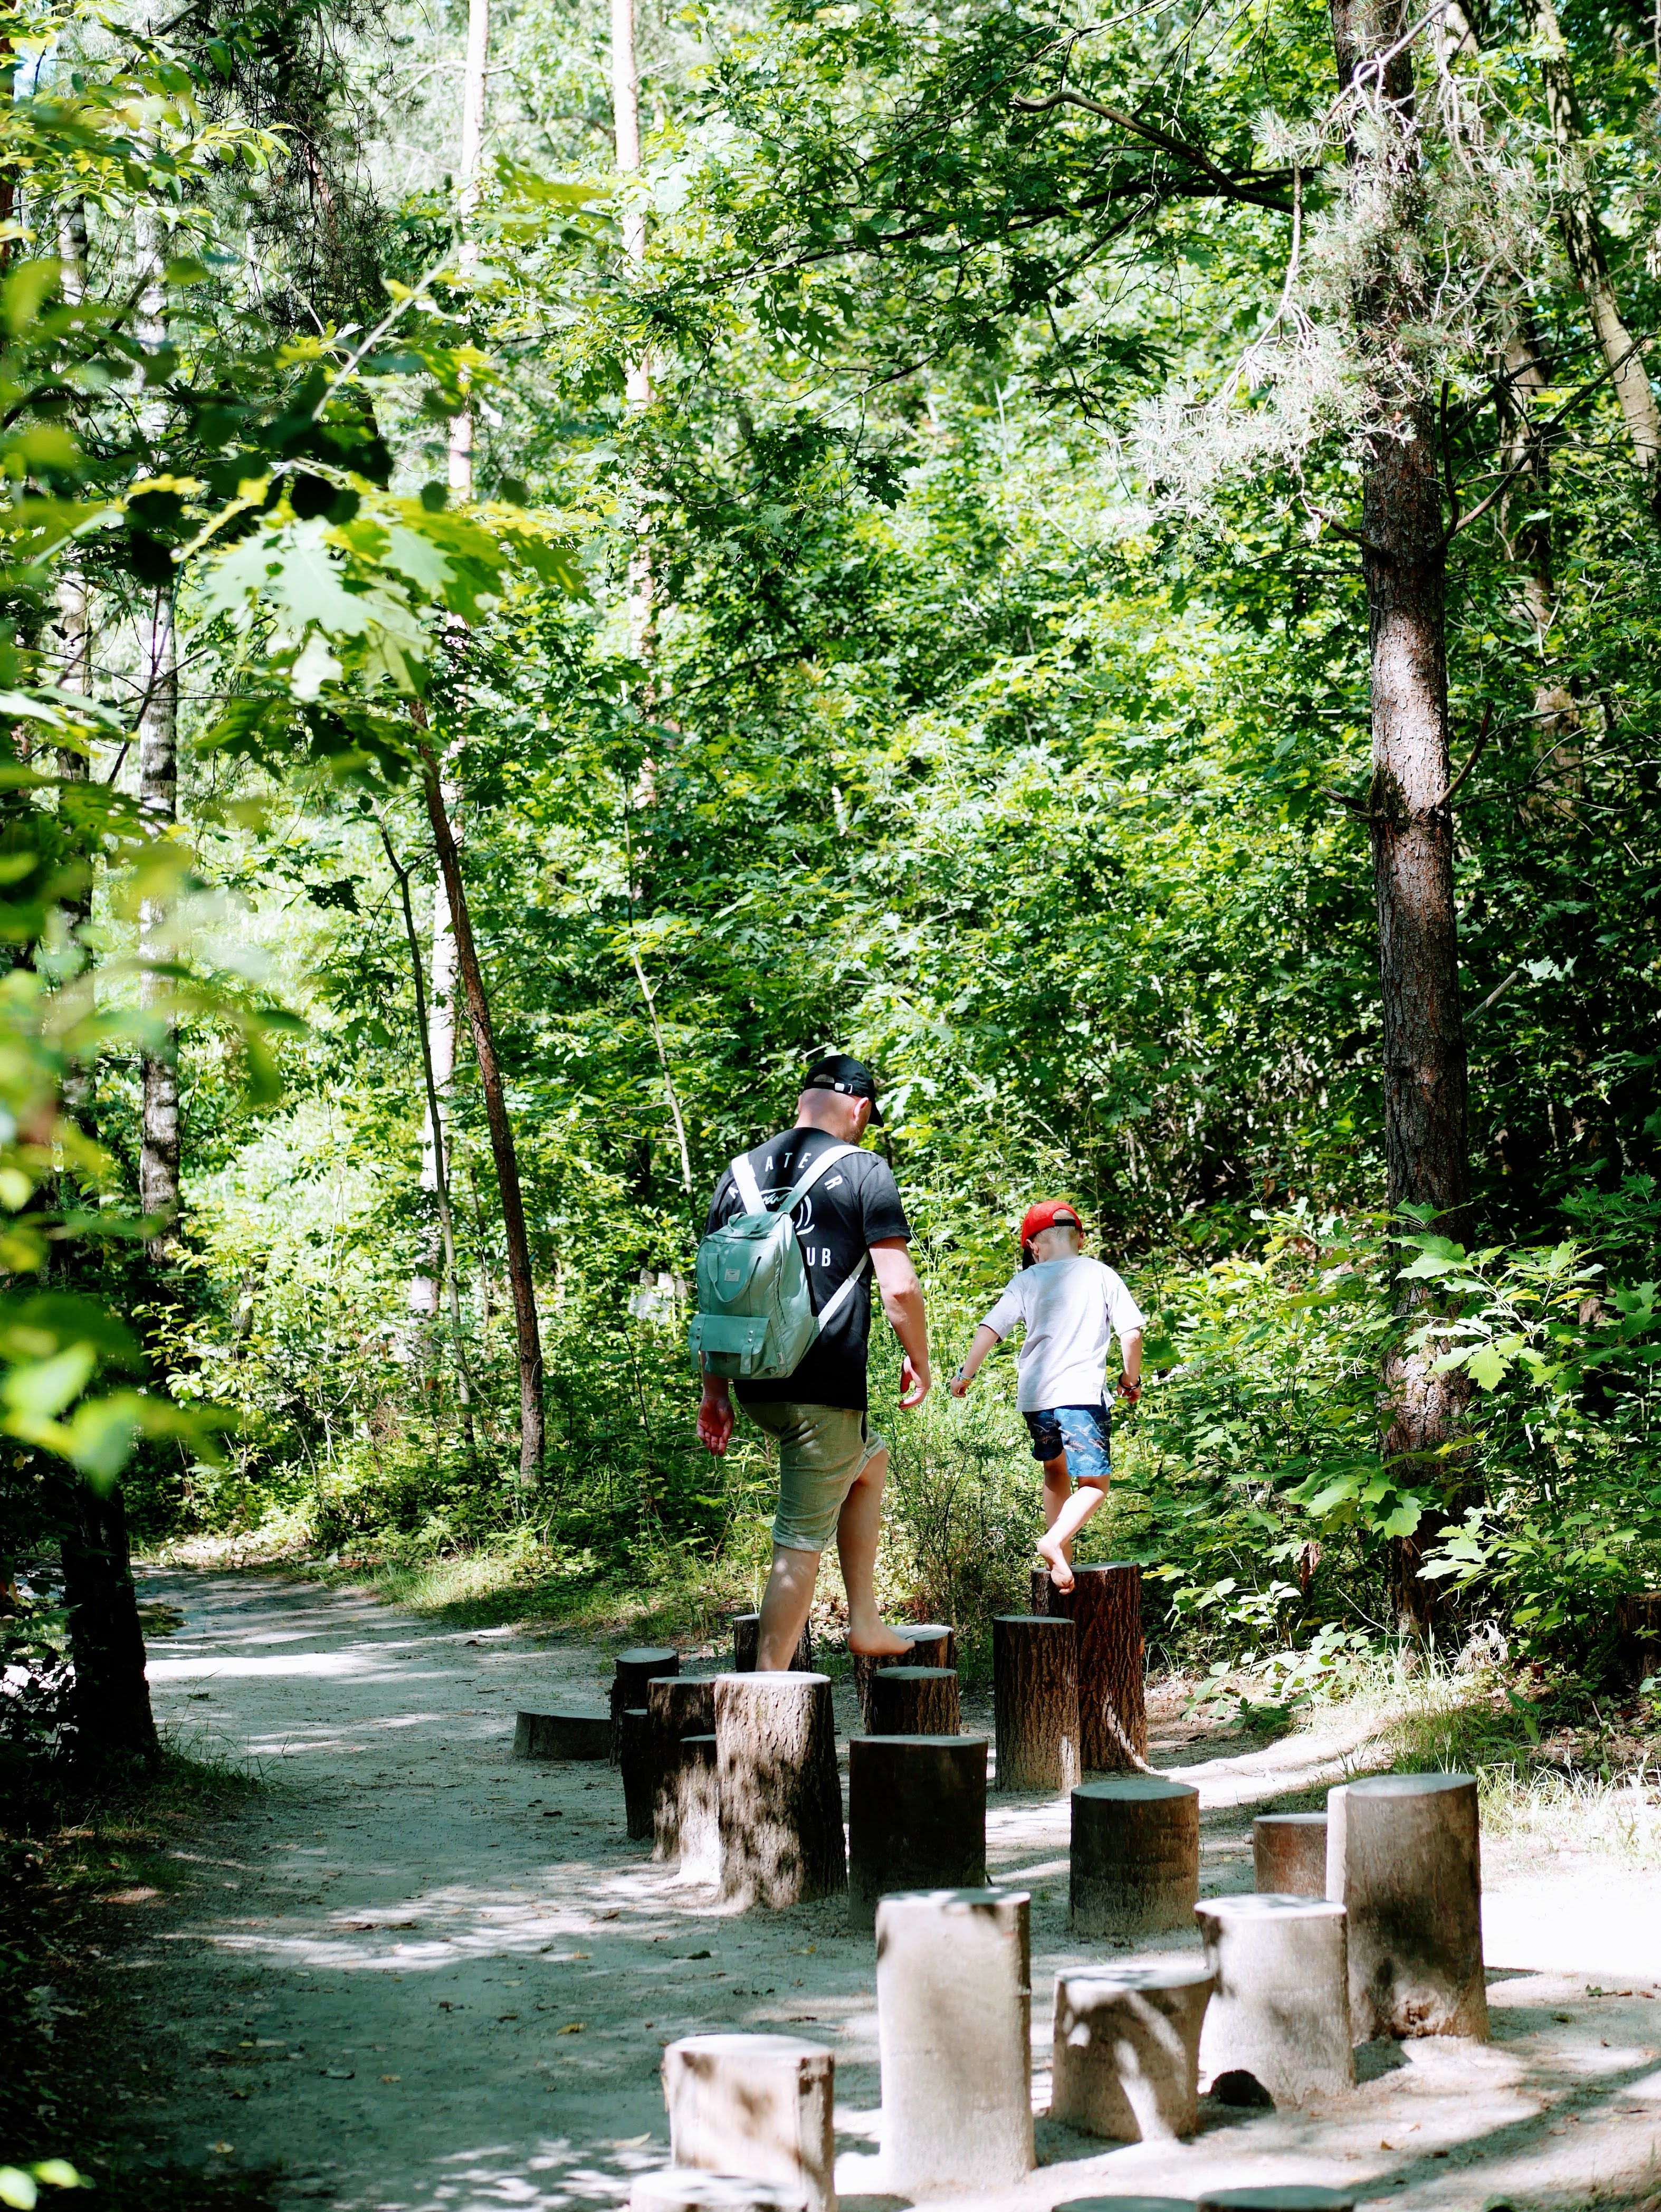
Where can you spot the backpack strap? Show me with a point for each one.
(744, 1182)
(748, 1190)
(839, 1297)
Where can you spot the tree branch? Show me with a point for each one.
(1177, 148)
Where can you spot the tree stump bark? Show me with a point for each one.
(1135, 1856)
(1405, 1857)
(1280, 2013)
(954, 2006)
(1105, 1605)
(916, 1817)
(568, 1733)
(634, 1669)
(759, 2105)
(932, 1645)
(634, 1758)
(746, 1639)
(691, 1829)
(1126, 2054)
(915, 1701)
(1035, 1690)
(1638, 1621)
(1289, 1854)
(680, 1706)
(781, 1794)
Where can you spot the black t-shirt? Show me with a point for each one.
(854, 1205)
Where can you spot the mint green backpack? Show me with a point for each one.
(755, 1322)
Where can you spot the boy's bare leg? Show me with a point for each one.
(1055, 1545)
(858, 1528)
(1057, 1490)
(784, 1607)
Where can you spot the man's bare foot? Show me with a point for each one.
(878, 1642)
(1060, 1567)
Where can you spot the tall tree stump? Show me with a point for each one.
(635, 1757)
(569, 1733)
(932, 1645)
(680, 1706)
(1126, 2055)
(915, 1701)
(916, 1817)
(1135, 1858)
(759, 2105)
(688, 1821)
(954, 2005)
(747, 1641)
(1105, 1607)
(634, 1669)
(1289, 1854)
(781, 1794)
(1404, 1856)
(1035, 1695)
(1280, 2013)
(683, 2189)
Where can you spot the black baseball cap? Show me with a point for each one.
(837, 1070)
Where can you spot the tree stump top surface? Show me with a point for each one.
(1152, 1974)
(744, 2046)
(931, 1742)
(644, 1655)
(920, 1674)
(568, 1713)
(1056, 1620)
(920, 1628)
(966, 1901)
(1126, 2204)
(1277, 2196)
(685, 2184)
(764, 1676)
(1268, 1905)
(1408, 1785)
(1133, 1789)
(1290, 1821)
(1105, 1567)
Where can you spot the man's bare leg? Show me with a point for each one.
(858, 1528)
(784, 1608)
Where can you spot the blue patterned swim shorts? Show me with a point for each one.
(1084, 1432)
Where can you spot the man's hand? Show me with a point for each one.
(914, 1382)
(715, 1415)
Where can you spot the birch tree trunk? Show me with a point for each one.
(1404, 560)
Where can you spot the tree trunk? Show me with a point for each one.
(520, 1277)
(1404, 560)
(626, 124)
(1035, 1695)
(915, 1701)
(110, 1705)
(424, 1283)
(782, 1838)
(932, 1645)
(1106, 1607)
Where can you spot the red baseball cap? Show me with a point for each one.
(1049, 1213)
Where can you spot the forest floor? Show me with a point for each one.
(413, 1973)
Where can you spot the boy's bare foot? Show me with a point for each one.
(878, 1642)
(1060, 1567)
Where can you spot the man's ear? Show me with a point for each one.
(862, 1118)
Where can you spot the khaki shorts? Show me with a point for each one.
(823, 1452)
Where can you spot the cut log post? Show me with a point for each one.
(1277, 2196)
(932, 1645)
(1280, 2013)
(570, 1733)
(1035, 1694)
(916, 1701)
(635, 1757)
(1289, 1853)
(916, 1817)
(747, 1641)
(680, 1706)
(759, 2105)
(1127, 2051)
(780, 1793)
(634, 1669)
(1136, 1859)
(1405, 1857)
(1637, 1624)
(683, 2189)
(1106, 1607)
(691, 1831)
(953, 2026)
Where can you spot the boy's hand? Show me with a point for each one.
(958, 1386)
(715, 1416)
(1130, 1391)
(914, 1381)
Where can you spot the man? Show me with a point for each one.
(831, 1464)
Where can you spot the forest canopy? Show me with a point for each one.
(559, 563)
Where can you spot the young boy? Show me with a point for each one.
(1071, 1308)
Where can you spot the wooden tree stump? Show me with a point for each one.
(759, 2105)
(1126, 2052)
(1135, 1863)
(916, 1817)
(1289, 1853)
(1035, 1690)
(689, 1830)
(932, 1645)
(781, 1794)
(1280, 2013)
(746, 1639)
(1404, 1856)
(569, 1733)
(1105, 1605)
(634, 1758)
(680, 1706)
(684, 2189)
(634, 1669)
(915, 1701)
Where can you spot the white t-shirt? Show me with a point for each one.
(1072, 1309)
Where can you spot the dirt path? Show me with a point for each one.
(422, 1974)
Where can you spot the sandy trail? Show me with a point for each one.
(420, 1974)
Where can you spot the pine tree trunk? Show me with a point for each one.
(1404, 560)
(111, 1700)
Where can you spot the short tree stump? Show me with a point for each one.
(1289, 1853)
(781, 1792)
(635, 1669)
(1405, 1857)
(916, 1817)
(953, 2023)
(569, 1733)
(932, 1645)
(1035, 1695)
(746, 1642)
(1277, 2196)
(1136, 1859)
(680, 1707)
(755, 2104)
(1281, 2008)
(684, 2189)
(1126, 2061)
(634, 1758)
(915, 1701)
